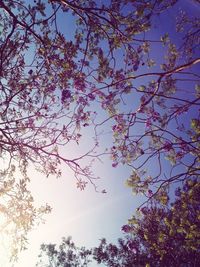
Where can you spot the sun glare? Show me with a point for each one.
(5, 248)
(8, 227)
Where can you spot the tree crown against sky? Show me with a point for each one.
(160, 235)
(60, 84)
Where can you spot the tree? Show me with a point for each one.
(159, 235)
(18, 215)
(170, 232)
(67, 255)
(53, 85)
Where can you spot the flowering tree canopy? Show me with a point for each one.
(59, 82)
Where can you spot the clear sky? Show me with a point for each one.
(87, 216)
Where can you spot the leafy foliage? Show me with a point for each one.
(67, 255)
(170, 233)
(18, 215)
(159, 235)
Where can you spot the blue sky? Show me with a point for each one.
(86, 215)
